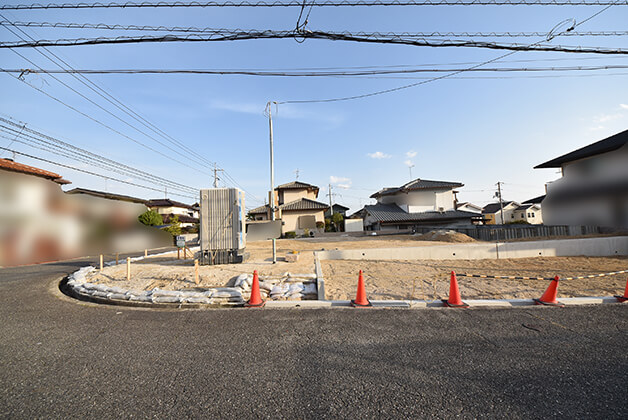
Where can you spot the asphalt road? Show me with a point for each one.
(66, 359)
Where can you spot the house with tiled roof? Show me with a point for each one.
(493, 212)
(296, 207)
(420, 202)
(188, 215)
(593, 189)
(35, 222)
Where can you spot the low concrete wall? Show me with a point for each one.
(590, 247)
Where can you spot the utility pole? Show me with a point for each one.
(272, 174)
(165, 192)
(501, 203)
(216, 170)
(410, 167)
(331, 207)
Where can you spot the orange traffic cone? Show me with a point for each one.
(454, 301)
(623, 298)
(255, 300)
(361, 300)
(549, 297)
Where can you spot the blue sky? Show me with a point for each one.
(467, 129)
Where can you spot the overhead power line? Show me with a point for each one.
(320, 3)
(54, 144)
(225, 31)
(343, 73)
(375, 38)
(90, 172)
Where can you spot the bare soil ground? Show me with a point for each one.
(429, 279)
(384, 279)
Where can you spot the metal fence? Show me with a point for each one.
(507, 232)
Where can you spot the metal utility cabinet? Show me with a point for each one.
(222, 226)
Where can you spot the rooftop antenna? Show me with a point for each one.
(297, 173)
(410, 167)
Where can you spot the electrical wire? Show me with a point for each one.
(375, 38)
(219, 31)
(88, 172)
(25, 72)
(319, 3)
(86, 82)
(39, 137)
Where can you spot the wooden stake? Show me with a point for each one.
(128, 268)
(117, 258)
(100, 262)
(196, 271)
(185, 254)
(178, 253)
(145, 253)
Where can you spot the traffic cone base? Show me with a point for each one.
(453, 305)
(255, 301)
(454, 301)
(361, 301)
(540, 302)
(361, 305)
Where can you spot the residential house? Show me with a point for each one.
(465, 206)
(296, 207)
(35, 225)
(530, 213)
(493, 212)
(187, 215)
(120, 209)
(338, 208)
(593, 189)
(420, 202)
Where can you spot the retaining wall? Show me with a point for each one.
(590, 247)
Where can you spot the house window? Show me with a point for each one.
(532, 214)
(523, 215)
(512, 216)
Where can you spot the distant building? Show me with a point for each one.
(469, 207)
(296, 207)
(168, 209)
(493, 212)
(530, 213)
(338, 208)
(420, 202)
(593, 189)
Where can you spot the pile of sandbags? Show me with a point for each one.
(287, 286)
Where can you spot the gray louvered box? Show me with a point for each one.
(222, 226)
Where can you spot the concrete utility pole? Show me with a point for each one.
(501, 203)
(216, 170)
(272, 174)
(331, 207)
(410, 167)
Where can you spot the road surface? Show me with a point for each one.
(61, 358)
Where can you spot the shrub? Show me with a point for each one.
(320, 225)
(150, 218)
(291, 234)
(175, 226)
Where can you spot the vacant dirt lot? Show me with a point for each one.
(384, 279)
(429, 279)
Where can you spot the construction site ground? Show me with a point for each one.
(426, 279)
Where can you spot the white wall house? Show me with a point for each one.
(419, 202)
(594, 187)
(530, 213)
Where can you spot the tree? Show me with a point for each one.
(150, 218)
(337, 220)
(175, 226)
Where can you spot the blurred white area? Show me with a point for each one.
(39, 222)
